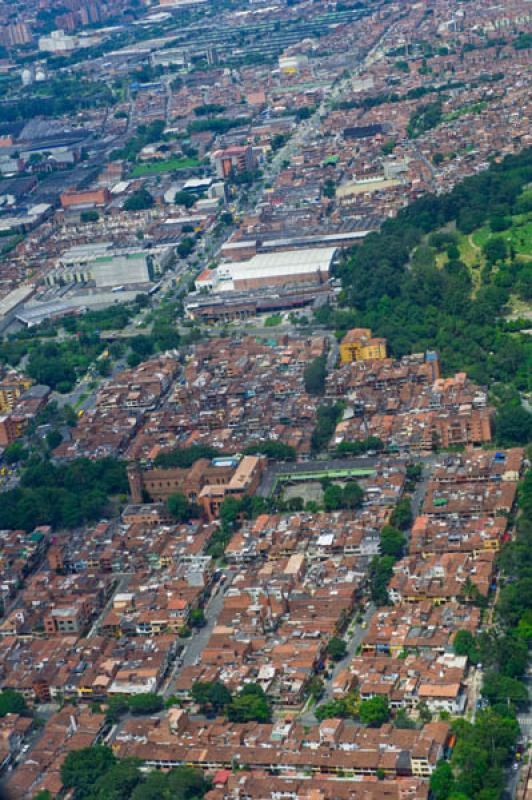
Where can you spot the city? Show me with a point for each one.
(265, 400)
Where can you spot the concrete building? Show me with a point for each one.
(270, 269)
(359, 345)
(233, 159)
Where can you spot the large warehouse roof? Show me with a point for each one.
(289, 262)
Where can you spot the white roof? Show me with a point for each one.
(14, 298)
(289, 262)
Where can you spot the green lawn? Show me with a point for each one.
(158, 167)
(518, 236)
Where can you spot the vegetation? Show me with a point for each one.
(336, 497)
(12, 702)
(336, 648)
(160, 167)
(250, 704)
(375, 711)
(60, 95)
(360, 446)
(60, 364)
(418, 307)
(276, 451)
(139, 200)
(314, 376)
(94, 773)
(64, 496)
(185, 457)
(180, 509)
(327, 418)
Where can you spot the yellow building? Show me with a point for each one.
(359, 345)
(11, 387)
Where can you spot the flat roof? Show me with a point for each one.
(289, 262)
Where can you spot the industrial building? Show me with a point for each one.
(102, 266)
(269, 269)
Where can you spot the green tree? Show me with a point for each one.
(393, 542)
(12, 702)
(197, 618)
(442, 781)
(513, 426)
(402, 516)
(314, 376)
(251, 704)
(495, 250)
(145, 703)
(15, 452)
(209, 695)
(179, 507)
(375, 711)
(464, 645)
(332, 497)
(118, 782)
(352, 495)
(186, 199)
(336, 648)
(82, 769)
(139, 201)
(53, 439)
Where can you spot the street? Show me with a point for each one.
(196, 644)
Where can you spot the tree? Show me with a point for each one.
(314, 376)
(117, 706)
(91, 215)
(179, 507)
(211, 695)
(12, 702)
(442, 781)
(464, 645)
(332, 497)
(15, 452)
(186, 199)
(392, 542)
(495, 250)
(197, 618)
(336, 648)
(118, 782)
(502, 689)
(185, 247)
(53, 439)
(81, 769)
(251, 704)
(352, 495)
(402, 516)
(139, 200)
(375, 711)
(145, 703)
(513, 426)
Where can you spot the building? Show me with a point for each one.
(311, 265)
(206, 483)
(12, 387)
(58, 42)
(359, 345)
(233, 159)
(91, 198)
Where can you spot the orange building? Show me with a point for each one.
(88, 199)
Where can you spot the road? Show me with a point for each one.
(352, 641)
(196, 644)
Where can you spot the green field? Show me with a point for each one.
(518, 236)
(158, 167)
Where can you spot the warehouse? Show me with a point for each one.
(311, 265)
